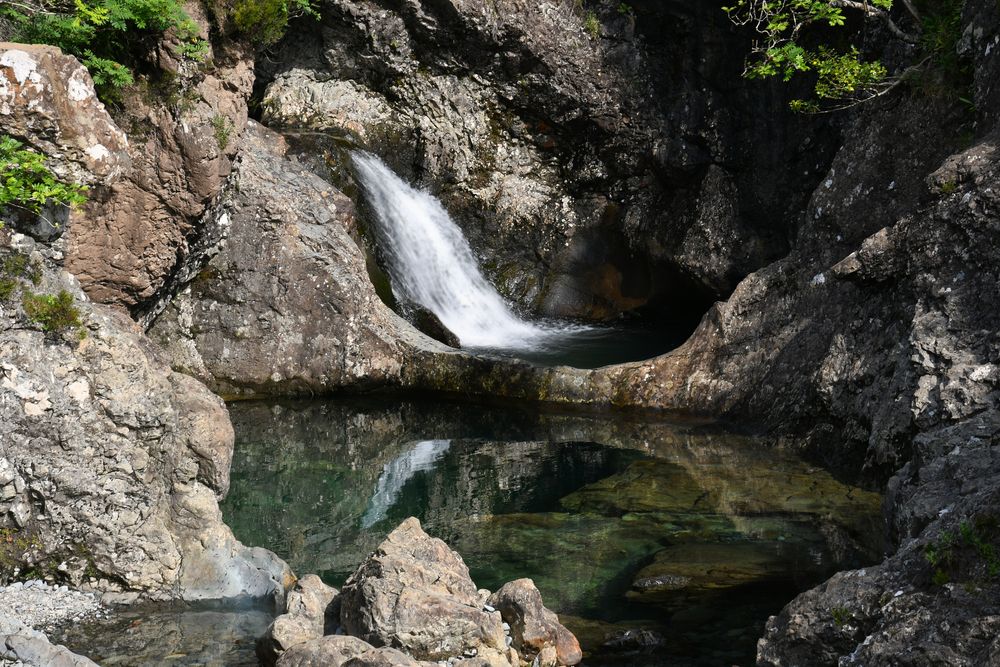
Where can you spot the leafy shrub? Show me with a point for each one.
(26, 183)
(109, 76)
(264, 21)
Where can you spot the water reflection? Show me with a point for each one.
(689, 532)
(204, 634)
(422, 456)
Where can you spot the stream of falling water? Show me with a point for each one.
(432, 265)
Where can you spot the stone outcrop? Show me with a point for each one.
(147, 192)
(310, 612)
(47, 101)
(112, 465)
(412, 603)
(533, 627)
(183, 128)
(285, 307)
(594, 172)
(935, 601)
(415, 594)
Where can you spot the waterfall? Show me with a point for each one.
(432, 265)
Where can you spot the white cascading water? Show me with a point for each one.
(432, 265)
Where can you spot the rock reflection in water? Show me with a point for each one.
(208, 635)
(685, 530)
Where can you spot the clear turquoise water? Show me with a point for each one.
(682, 529)
(596, 509)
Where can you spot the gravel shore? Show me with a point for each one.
(41, 606)
(30, 608)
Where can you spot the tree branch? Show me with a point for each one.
(869, 10)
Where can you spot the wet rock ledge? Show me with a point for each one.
(411, 603)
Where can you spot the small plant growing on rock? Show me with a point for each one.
(592, 25)
(19, 265)
(27, 184)
(221, 128)
(13, 545)
(54, 313)
(14, 269)
(968, 553)
(841, 616)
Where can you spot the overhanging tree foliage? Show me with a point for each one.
(843, 77)
(103, 34)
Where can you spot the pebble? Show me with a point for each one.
(38, 605)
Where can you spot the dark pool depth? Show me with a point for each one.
(690, 532)
(600, 345)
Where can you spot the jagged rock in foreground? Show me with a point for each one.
(415, 594)
(534, 627)
(111, 464)
(310, 612)
(412, 600)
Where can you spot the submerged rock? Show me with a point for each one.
(709, 565)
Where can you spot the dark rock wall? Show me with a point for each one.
(593, 174)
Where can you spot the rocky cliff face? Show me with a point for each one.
(182, 125)
(111, 464)
(873, 329)
(595, 169)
